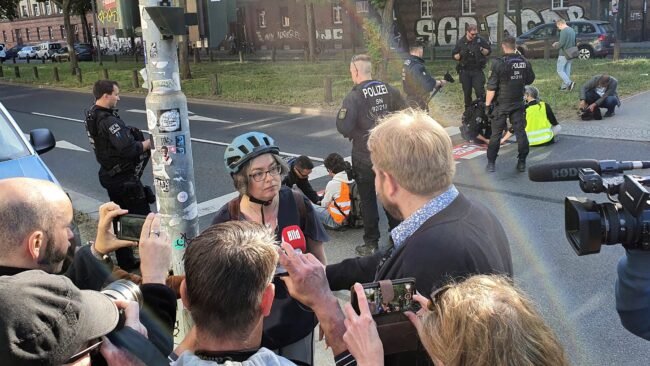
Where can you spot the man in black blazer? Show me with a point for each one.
(443, 234)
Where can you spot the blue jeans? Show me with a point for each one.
(610, 102)
(564, 70)
(324, 215)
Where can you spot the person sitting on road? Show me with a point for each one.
(482, 321)
(229, 290)
(336, 204)
(600, 92)
(299, 170)
(542, 127)
(256, 168)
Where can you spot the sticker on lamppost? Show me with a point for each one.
(169, 120)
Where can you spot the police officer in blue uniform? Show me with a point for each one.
(471, 52)
(368, 101)
(417, 83)
(505, 99)
(122, 153)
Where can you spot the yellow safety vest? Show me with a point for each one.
(538, 127)
(344, 204)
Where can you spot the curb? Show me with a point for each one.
(217, 103)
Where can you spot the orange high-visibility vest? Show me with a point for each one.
(344, 204)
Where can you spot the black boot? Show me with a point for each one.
(490, 167)
(521, 165)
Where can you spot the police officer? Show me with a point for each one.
(417, 83)
(368, 101)
(122, 153)
(471, 52)
(504, 99)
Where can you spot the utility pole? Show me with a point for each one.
(167, 119)
(98, 48)
(501, 9)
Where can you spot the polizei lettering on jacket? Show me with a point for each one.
(374, 90)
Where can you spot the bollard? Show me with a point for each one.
(73, 71)
(17, 71)
(134, 79)
(617, 51)
(2, 73)
(27, 59)
(14, 58)
(214, 84)
(43, 59)
(345, 56)
(79, 78)
(433, 53)
(35, 71)
(56, 74)
(115, 57)
(137, 56)
(273, 51)
(547, 49)
(211, 55)
(197, 56)
(241, 57)
(328, 90)
(105, 74)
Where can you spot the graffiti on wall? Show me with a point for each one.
(107, 16)
(329, 34)
(290, 34)
(446, 31)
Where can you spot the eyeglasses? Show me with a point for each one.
(259, 176)
(90, 350)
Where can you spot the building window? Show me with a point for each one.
(559, 4)
(38, 33)
(24, 12)
(62, 28)
(362, 6)
(36, 11)
(337, 13)
(104, 31)
(48, 8)
(50, 33)
(261, 18)
(426, 8)
(4, 36)
(468, 7)
(284, 16)
(27, 34)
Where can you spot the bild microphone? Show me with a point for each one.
(293, 236)
(569, 169)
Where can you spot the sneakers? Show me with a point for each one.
(490, 167)
(366, 249)
(609, 114)
(521, 166)
(571, 86)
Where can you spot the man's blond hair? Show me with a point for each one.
(415, 150)
(560, 21)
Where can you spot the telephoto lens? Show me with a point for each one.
(123, 290)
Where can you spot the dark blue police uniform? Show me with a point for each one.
(417, 83)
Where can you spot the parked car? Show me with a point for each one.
(27, 52)
(594, 38)
(12, 52)
(61, 55)
(3, 53)
(83, 51)
(45, 50)
(19, 156)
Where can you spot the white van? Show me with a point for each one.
(3, 53)
(47, 49)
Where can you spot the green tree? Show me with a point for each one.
(9, 9)
(385, 8)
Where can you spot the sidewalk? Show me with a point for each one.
(630, 122)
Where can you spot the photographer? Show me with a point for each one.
(481, 321)
(633, 292)
(471, 52)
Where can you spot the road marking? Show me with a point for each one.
(324, 133)
(283, 153)
(62, 144)
(279, 118)
(58, 117)
(192, 117)
(16, 96)
(452, 130)
(276, 123)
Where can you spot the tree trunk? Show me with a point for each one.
(69, 34)
(183, 59)
(501, 10)
(86, 28)
(311, 31)
(518, 8)
(386, 26)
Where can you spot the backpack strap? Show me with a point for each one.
(300, 203)
(233, 208)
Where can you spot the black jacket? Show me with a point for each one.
(462, 240)
(417, 83)
(116, 147)
(471, 58)
(302, 183)
(508, 77)
(362, 107)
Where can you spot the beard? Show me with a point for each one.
(53, 257)
(390, 207)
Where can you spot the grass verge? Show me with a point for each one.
(297, 83)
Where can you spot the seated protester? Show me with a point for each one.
(299, 170)
(336, 204)
(229, 290)
(482, 321)
(541, 125)
(46, 320)
(35, 218)
(600, 92)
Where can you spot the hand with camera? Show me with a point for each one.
(155, 251)
(416, 318)
(361, 336)
(115, 356)
(106, 241)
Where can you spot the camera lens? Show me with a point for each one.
(123, 290)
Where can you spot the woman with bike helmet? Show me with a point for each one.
(254, 163)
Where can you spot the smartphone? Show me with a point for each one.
(403, 291)
(128, 227)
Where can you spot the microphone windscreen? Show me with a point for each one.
(561, 170)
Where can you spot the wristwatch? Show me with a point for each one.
(98, 255)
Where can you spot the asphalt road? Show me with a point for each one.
(574, 294)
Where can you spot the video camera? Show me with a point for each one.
(588, 224)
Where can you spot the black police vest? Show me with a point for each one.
(101, 144)
(512, 78)
(409, 82)
(471, 57)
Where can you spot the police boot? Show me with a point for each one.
(521, 165)
(366, 249)
(490, 167)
